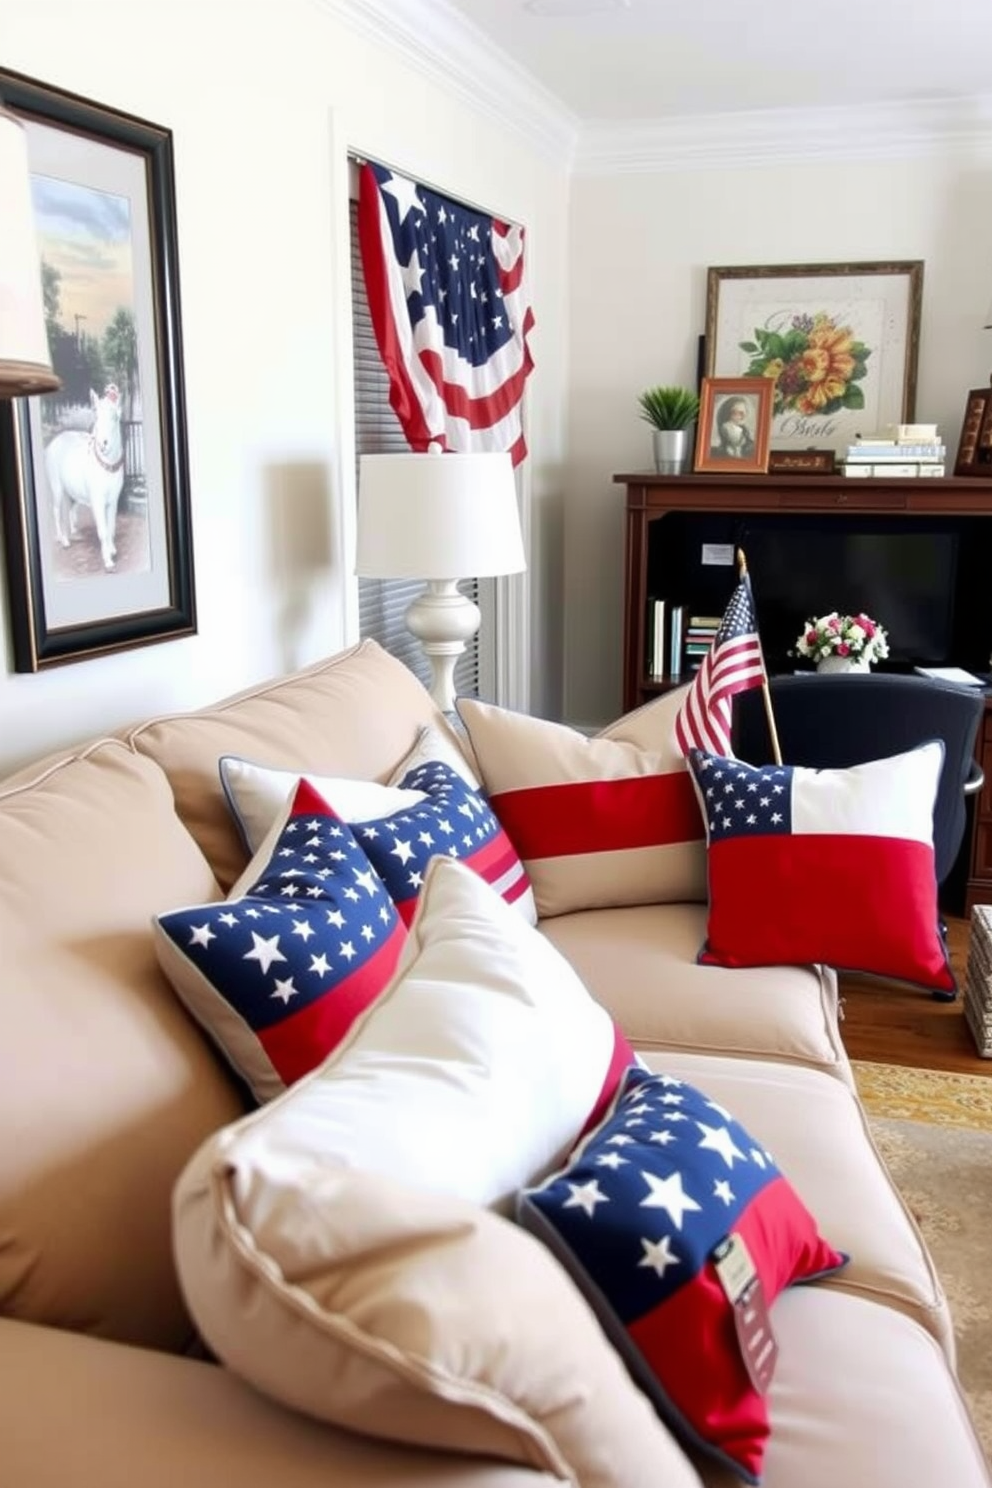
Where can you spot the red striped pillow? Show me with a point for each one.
(600, 821)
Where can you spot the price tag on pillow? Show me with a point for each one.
(742, 1285)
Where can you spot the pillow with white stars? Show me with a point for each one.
(432, 804)
(640, 1214)
(308, 937)
(833, 866)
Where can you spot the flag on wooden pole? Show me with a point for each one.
(734, 663)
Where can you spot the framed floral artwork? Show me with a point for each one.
(732, 429)
(839, 344)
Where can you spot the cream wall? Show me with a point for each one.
(264, 101)
(641, 244)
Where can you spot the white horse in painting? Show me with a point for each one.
(88, 470)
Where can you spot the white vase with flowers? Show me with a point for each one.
(843, 643)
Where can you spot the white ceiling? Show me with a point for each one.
(623, 61)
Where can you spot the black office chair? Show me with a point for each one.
(838, 720)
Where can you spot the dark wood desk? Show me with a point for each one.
(651, 497)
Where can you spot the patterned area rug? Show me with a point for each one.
(934, 1131)
(933, 1096)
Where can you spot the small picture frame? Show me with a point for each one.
(735, 416)
(975, 444)
(801, 462)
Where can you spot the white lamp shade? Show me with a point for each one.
(25, 364)
(437, 516)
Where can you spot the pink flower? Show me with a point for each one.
(833, 624)
(843, 649)
(868, 626)
(811, 638)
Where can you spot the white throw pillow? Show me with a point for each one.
(474, 1071)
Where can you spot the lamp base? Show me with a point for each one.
(443, 619)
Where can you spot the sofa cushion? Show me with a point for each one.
(108, 1085)
(358, 713)
(824, 865)
(862, 1396)
(431, 808)
(679, 1228)
(640, 963)
(604, 821)
(816, 1130)
(278, 972)
(407, 1315)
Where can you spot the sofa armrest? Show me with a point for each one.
(77, 1409)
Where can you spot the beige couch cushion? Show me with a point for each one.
(861, 1398)
(107, 1085)
(640, 963)
(601, 821)
(815, 1130)
(123, 1417)
(356, 714)
(408, 1315)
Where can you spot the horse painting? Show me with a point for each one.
(88, 470)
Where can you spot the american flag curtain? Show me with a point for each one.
(734, 663)
(446, 292)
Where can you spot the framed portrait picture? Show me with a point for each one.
(94, 479)
(975, 445)
(839, 343)
(733, 426)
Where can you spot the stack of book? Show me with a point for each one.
(906, 450)
(700, 634)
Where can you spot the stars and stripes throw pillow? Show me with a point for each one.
(278, 972)
(640, 1214)
(601, 821)
(429, 806)
(833, 866)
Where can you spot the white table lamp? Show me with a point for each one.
(25, 364)
(439, 517)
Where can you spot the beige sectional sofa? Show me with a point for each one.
(109, 1089)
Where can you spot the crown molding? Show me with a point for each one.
(437, 40)
(768, 137)
(440, 42)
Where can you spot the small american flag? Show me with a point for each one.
(446, 293)
(734, 663)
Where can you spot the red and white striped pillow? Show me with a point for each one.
(601, 821)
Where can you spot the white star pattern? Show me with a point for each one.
(585, 1196)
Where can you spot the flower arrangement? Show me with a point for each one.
(856, 636)
(815, 362)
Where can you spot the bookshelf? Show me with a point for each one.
(717, 512)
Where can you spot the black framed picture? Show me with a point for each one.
(94, 477)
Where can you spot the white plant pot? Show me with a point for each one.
(672, 450)
(843, 664)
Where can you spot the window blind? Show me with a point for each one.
(382, 603)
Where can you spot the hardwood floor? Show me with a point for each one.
(889, 1023)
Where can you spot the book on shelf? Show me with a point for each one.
(893, 468)
(881, 452)
(675, 641)
(655, 637)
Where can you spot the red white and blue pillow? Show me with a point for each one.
(638, 1214)
(278, 972)
(833, 866)
(452, 820)
(430, 806)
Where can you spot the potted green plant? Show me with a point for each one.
(672, 412)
